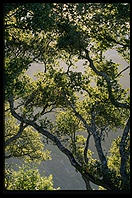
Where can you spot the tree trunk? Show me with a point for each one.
(87, 182)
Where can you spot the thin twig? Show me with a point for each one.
(122, 71)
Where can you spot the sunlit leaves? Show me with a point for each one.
(29, 145)
(114, 161)
(27, 178)
(114, 158)
(53, 34)
(67, 123)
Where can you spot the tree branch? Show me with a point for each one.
(77, 114)
(122, 71)
(44, 132)
(43, 112)
(87, 182)
(124, 155)
(21, 128)
(93, 131)
(97, 141)
(86, 149)
(108, 80)
(61, 148)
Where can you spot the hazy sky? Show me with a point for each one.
(125, 79)
(64, 175)
(110, 54)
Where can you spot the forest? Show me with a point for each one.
(87, 105)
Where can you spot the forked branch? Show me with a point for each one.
(108, 80)
(53, 138)
(21, 128)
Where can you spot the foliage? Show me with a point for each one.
(114, 161)
(67, 123)
(91, 101)
(28, 146)
(27, 178)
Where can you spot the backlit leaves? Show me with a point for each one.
(27, 178)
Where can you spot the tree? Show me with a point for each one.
(27, 178)
(24, 143)
(49, 33)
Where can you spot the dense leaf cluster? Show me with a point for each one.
(90, 102)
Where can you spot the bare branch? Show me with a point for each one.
(46, 106)
(19, 106)
(42, 113)
(15, 107)
(122, 71)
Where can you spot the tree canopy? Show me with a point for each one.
(92, 101)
